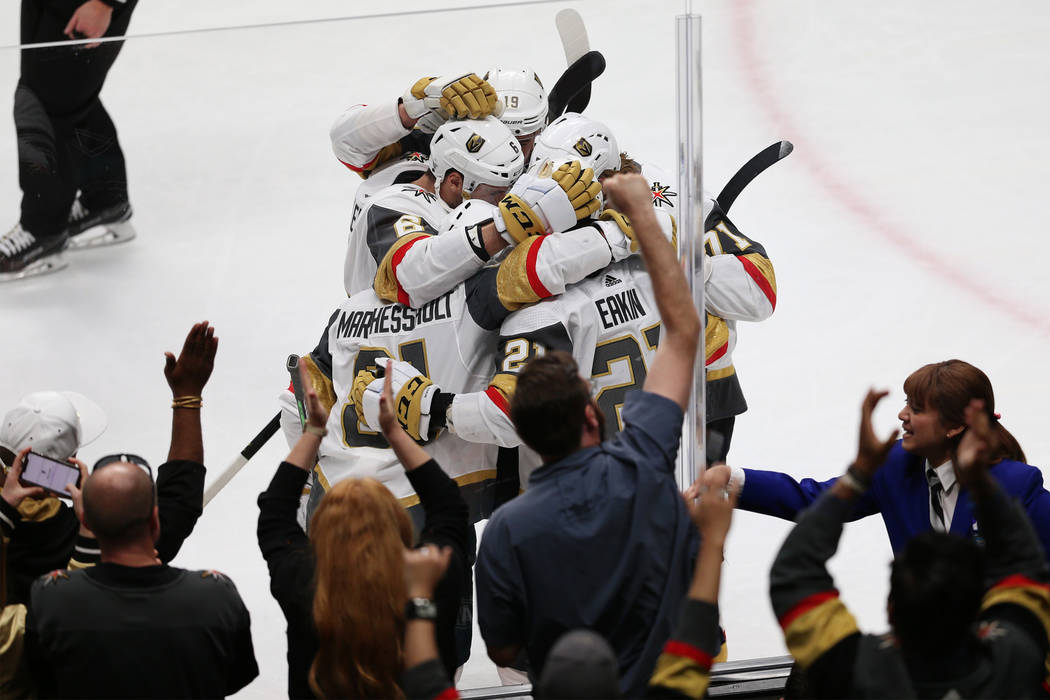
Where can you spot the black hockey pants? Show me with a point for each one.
(66, 139)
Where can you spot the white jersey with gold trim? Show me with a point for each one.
(378, 221)
(450, 339)
(609, 323)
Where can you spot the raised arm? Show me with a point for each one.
(366, 136)
(418, 266)
(283, 544)
(424, 676)
(1017, 573)
(671, 372)
(684, 666)
(180, 481)
(816, 624)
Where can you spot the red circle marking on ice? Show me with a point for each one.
(742, 15)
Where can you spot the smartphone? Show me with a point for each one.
(53, 475)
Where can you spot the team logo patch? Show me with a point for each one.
(428, 197)
(474, 143)
(583, 147)
(662, 195)
(416, 157)
(53, 577)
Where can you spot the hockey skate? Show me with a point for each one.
(24, 255)
(91, 229)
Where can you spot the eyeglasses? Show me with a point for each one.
(125, 457)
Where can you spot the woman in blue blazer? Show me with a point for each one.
(932, 424)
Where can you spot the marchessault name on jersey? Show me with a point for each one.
(393, 318)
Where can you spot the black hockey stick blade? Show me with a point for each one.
(580, 100)
(262, 438)
(750, 170)
(572, 82)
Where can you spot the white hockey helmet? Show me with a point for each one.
(573, 136)
(523, 97)
(483, 151)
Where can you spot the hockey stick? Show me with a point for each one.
(750, 170)
(574, 40)
(292, 364)
(573, 35)
(571, 83)
(247, 453)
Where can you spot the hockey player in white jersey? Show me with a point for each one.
(740, 285)
(394, 246)
(474, 158)
(449, 339)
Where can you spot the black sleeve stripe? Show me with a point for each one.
(483, 299)
(552, 337)
(416, 140)
(731, 246)
(322, 356)
(381, 232)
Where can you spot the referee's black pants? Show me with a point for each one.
(66, 139)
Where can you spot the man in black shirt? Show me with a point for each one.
(132, 626)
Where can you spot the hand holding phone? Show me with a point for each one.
(15, 491)
(50, 474)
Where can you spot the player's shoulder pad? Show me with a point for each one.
(408, 196)
(547, 320)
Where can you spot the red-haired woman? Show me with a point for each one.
(915, 490)
(342, 589)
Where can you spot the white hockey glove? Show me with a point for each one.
(460, 96)
(537, 204)
(413, 393)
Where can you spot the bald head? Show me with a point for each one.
(118, 503)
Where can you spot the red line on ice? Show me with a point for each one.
(809, 156)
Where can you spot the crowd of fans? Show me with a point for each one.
(601, 578)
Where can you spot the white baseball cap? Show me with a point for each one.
(53, 423)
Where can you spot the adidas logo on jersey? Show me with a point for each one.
(611, 281)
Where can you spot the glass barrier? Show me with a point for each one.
(903, 119)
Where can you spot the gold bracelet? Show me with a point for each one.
(187, 402)
(314, 430)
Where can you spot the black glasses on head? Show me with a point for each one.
(125, 457)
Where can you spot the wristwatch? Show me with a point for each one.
(420, 609)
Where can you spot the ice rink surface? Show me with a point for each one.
(906, 228)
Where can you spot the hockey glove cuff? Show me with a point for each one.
(357, 393)
(413, 394)
(517, 220)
